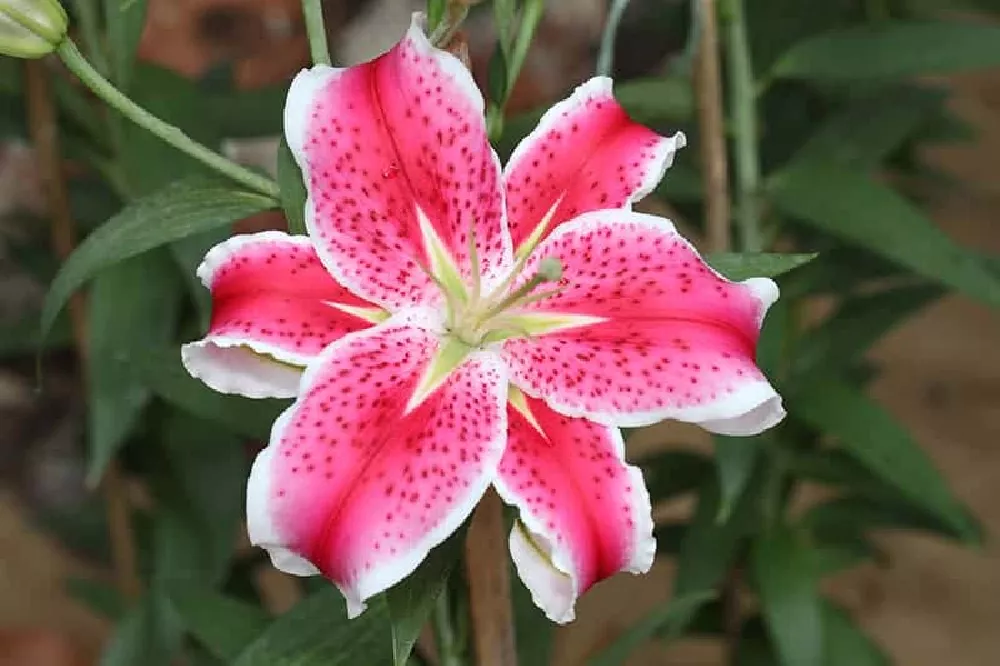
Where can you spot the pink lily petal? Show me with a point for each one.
(274, 308)
(384, 144)
(585, 514)
(354, 486)
(677, 340)
(586, 154)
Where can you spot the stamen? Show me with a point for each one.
(549, 270)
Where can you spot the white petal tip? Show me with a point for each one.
(765, 289)
(236, 367)
(764, 416)
(355, 607)
(553, 591)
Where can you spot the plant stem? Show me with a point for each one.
(449, 24)
(714, 161)
(606, 56)
(45, 137)
(103, 88)
(743, 113)
(312, 12)
(489, 585)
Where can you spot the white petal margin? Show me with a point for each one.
(241, 367)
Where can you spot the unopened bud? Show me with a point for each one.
(31, 28)
(550, 269)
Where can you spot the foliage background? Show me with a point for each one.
(844, 139)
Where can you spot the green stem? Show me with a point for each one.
(531, 14)
(90, 30)
(743, 112)
(605, 58)
(312, 12)
(103, 88)
(448, 646)
(449, 24)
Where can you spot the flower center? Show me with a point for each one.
(478, 319)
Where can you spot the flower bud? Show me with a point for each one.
(31, 28)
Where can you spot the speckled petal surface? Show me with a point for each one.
(586, 154)
(584, 513)
(677, 341)
(377, 141)
(354, 487)
(273, 311)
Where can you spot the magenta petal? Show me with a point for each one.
(273, 310)
(586, 154)
(353, 486)
(378, 141)
(585, 513)
(677, 340)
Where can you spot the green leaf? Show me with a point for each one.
(532, 630)
(676, 611)
(20, 337)
(132, 306)
(188, 253)
(868, 129)
(848, 517)
(149, 635)
(124, 20)
(736, 266)
(98, 595)
(246, 113)
(844, 643)
(316, 632)
(735, 461)
(410, 602)
(857, 325)
(293, 190)
(496, 76)
(873, 437)
(786, 582)
(893, 50)
(179, 210)
(657, 100)
(858, 210)
(672, 473)
(162, 371)
(223, 625)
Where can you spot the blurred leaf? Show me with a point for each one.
(653, 101)
(179, 210)
(844, 644)
(678, 610)
(672, 473)
(786, 582)
(161, 369)
(682, 182)
(98, 595)
(124, 20)
(868, 129)
(533, 631)
(872, 436)
(188, 254)
(837, 468)
(857, 325)
(845, 518)
(316, 632)
(893, 50)
(843, 554)
(223, 625)
(243, 114)
(411, 600)
(149, 635)
(293, 190)
(775, 25)
(735, 461)
(839, 270)
(861, 211)
(20, 337)
(496, 77)
(132, 306)
(736, 266)
(669, 537)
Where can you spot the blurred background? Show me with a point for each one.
(928, 601)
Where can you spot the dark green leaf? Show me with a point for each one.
(293, 190)
(100, 596)
(316, 632)
(411, 601)
(657, 100)
(496, 77)
(871, 435)
(533, 631)
(736, 266)
(858, 210)
(132, 306)
(149, 635)
(224, 626)
(20, 337)
(163, 373)
(124, 20)
(857, 325)
(868, 129)
(735, 460)
(845, 518)
(672, 473)
(893, 50)
(246, 113)
(188, 254)
(844, 644)
(786, 582)
(179, 210)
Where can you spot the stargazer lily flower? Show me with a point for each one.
(448, 325)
